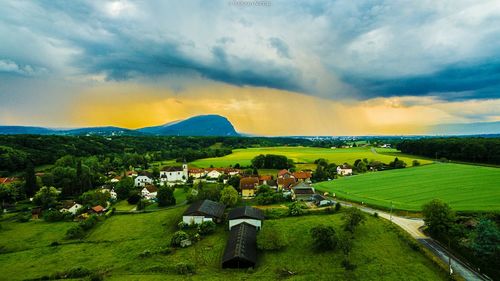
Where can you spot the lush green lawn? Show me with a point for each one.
(306, 155)
(115, 244)
(464, 187)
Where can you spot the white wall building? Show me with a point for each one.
(247, 214)
(174, 174)
(344, 170)
(142, 181)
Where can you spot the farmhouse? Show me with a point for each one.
(214, 173)
(197, 173)
(344, 170)
(285, 183)
(302, 176)
(174, 174)
(149, 192)
(248, 186)
(302, 191)
(246, 214)
(72, 209)
(241, 247)
(142, 181)
(206, 210)
(264, 179)
(99, 210)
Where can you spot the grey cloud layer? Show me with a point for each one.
(358, 49)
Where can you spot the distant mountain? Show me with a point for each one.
(201, 125)
(94, 131)
(478, 128)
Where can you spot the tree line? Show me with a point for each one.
(477, 150)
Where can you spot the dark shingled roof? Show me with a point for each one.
(246, 212)
(207, 208)
(241, 247)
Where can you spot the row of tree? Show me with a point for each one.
(479, 150)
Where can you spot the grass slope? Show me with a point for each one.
(464, 187)
(307, 155)
(115, 244)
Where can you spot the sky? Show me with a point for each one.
(271, 67)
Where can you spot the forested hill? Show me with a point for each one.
(17, 150)
(477, 150)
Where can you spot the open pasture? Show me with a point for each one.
(463, 187)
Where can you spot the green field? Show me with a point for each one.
(114, 246)
(308, 155)
(464, 187)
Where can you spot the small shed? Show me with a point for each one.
(202, 211)
(241, 247)
(246, 214)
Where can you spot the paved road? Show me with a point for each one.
(413, 226)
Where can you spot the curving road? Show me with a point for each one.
(413, 226)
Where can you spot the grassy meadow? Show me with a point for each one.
(305, 156)
(114, 246)
(463, 187)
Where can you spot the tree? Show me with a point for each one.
(46, 197)
(486, 240)
(123, 188)
(165, 196)
(234, 181)
(178, 237)
(133, 198)
(30, 180)
(324, 238)
(229, 196)
(438, 217)
(415, 163)
(8, 194)
(397, 164)
(352, 218)
(156, 172)
(95, 197)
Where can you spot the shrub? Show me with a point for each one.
(352, 218)
(89, 222)
(415, 163)
(165, 196)
(348, 265)
(23, 217)
(53, 215)
(269, 239)
(78, 272)
(324, 237)
(206, 227)
(184, 268)
(141, 205)
(182, 225)
(75, 232)
(178, 237)
(375, 215)
(295, 209)
(337, 206)
(54, 244)
(134, 198)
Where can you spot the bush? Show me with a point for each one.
(352, 218)
(178, 237)
(54, 244)
(269, 239)
(23, 217)
(89, 222)
(295, 209)
(184, 268)
(324, 238)
(206, 227)
(182, 225)
(78, 272)
(75, 232)
(415, 163)
(165, 196)
(375, 215)
(134, 198)
(53, 215)
(141, 205)
(337, 206)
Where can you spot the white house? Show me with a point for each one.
(197, 173)
(142, 181)
(344, 170)
(174, 174)
(72, 209)
(149, 192)
(214, 174)
(247, 214)
(206, 210)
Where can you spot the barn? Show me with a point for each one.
(246, 214)
(241, 248)
(202, 211)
